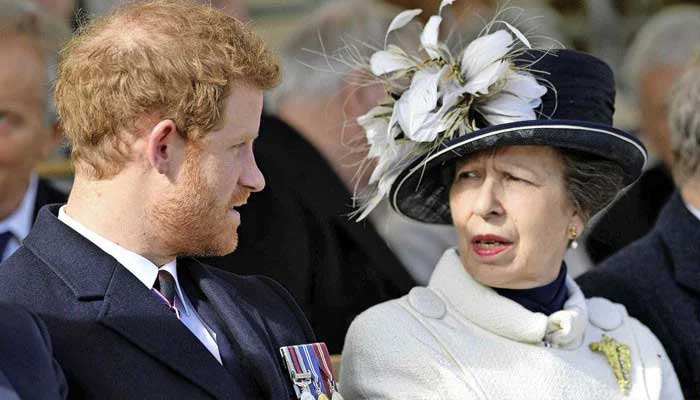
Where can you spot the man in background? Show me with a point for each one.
(29, 42)
(656, 59)
(28, 370)
(301, 232)
(161, 102)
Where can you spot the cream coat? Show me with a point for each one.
(457, 339)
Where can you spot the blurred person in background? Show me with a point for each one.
(300, 232)
(29, 42)
(655, 60)
(28, 370)
(658, 277)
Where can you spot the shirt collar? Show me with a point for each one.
(142, 268)
(21, 220)
(694, 211)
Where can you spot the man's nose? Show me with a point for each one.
(252, 177)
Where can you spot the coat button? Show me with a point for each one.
(604, 314)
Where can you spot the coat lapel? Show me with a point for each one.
(139, 316)
(244, 327)
(128, 307)
(680, 230)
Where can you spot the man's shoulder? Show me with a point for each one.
(21, 266)
(270, 299)
(628, 275)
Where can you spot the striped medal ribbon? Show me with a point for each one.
(327, 370)
(315, 368)
(300, 377)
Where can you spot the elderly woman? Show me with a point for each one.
(517, 164)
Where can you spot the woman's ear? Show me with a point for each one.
(163, 146)
(577, 223)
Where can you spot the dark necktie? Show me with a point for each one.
(4, 240)
(165, 285)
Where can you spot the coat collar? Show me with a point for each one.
(128, 307)
(680, 231)
(504, 317)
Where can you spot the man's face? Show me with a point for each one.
(218, 174)
(25, 138)
(655, 88)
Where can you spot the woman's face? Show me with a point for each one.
(512, 215)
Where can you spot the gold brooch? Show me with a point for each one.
(618, 355)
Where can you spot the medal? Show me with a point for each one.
(312, 368)
(311, 371)
(327, 369)
(300, 378)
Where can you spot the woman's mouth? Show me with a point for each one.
(490, 245)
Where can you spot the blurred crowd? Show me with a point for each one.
(297, 230)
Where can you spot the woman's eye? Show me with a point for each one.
(468, 175)
(515, 178)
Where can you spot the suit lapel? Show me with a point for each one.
(680, 230)
(139, 316)
(244, 327)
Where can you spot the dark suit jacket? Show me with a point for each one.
(297, 231)
(27, 367)
(116, 340)
(631, 216)
(658, 279)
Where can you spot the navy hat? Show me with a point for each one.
(576, 114)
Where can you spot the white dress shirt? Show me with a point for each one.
(19, 223)
(147, 272)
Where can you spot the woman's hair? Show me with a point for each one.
(591, 182)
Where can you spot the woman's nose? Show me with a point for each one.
(487, 203)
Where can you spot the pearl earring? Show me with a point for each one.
(573, 234)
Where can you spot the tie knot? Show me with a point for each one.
(166, 286)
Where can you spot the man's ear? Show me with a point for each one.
(163, 146)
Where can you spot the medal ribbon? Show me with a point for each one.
(325, 364)
(314, 364)
(304, 368)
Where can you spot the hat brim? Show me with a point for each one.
(420, 192)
